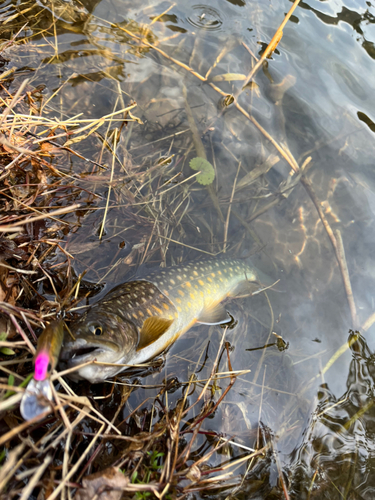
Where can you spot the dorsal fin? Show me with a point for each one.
(153, 328)
(214, 315)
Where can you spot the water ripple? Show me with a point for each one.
(205, 17)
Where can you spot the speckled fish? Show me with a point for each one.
(38, 392)
(139, 319)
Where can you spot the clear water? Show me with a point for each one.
(314, 96)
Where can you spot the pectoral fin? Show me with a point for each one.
(214, 315)
(153, 328)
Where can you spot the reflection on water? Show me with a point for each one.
(338, 444)
(312, 98)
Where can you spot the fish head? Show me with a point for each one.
(99, 336)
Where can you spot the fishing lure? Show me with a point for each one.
(38, 393)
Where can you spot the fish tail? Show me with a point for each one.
(260, 277)
(263, 278)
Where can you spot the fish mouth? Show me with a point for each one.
(79, 355)
(81, 352)
(75, 354)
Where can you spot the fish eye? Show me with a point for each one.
(96, 330)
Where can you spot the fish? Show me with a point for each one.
(38, 392)
(137, 320)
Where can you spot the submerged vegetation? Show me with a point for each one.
(88, 196)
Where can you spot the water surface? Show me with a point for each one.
(314, 98)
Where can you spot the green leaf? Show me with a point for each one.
(147, 477)
(207, 172)
(134, 476)
(27, 380)
(7, 351)
(10, 383)
(22, 384)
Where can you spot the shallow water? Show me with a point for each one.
(313, 97)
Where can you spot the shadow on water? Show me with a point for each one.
(165, 77)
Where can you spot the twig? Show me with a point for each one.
(60, 211)
(229, 208)
(34, 480)
(76, 466)
(272, 45)
(110, 184)
(279, 469)
(337, 246)
(9, 108)
(261, 403)
(369, 322)
(345, 275)
(22, 333)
